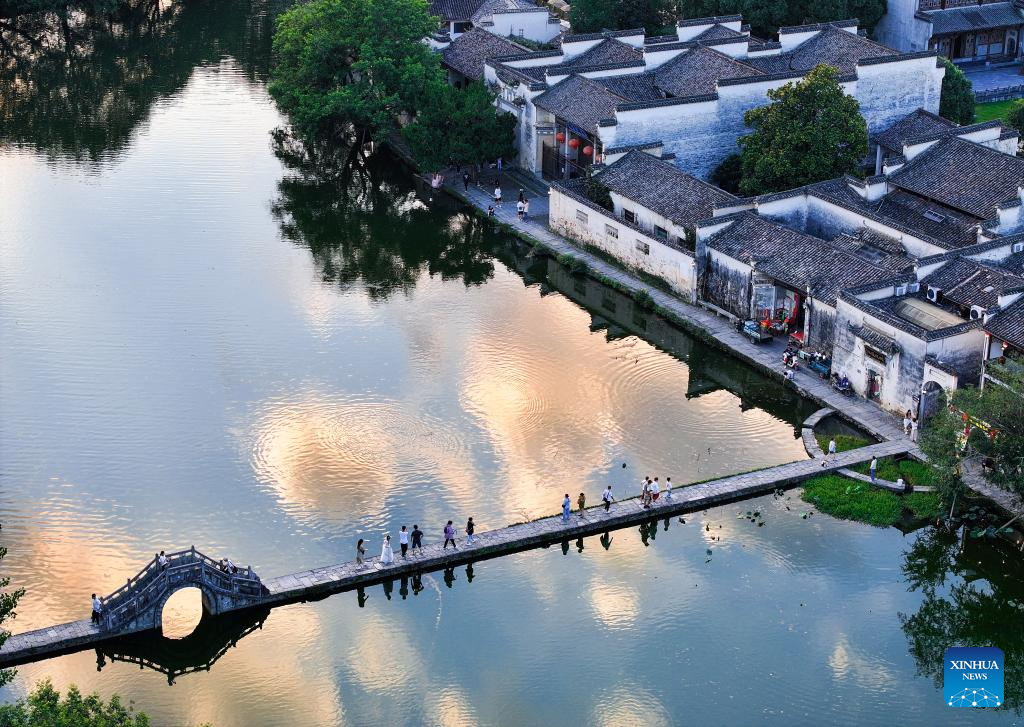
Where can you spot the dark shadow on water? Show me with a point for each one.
(197, 652)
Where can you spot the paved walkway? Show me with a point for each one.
(319, 582)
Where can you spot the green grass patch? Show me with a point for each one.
(992, 110)
(848, 499)
(916, 473)
(844, 442)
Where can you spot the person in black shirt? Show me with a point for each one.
(417, 539)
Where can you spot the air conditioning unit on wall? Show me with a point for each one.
(977, 312)
(933, 294)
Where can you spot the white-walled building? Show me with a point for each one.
(504, 18)
(963, 30)
(686, 95)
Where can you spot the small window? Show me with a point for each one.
(660, 232)
(581, 216)
(643, 247)
(612, 232)
(630, 216)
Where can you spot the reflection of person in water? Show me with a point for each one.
(403, 590)
(606, 540)
(469, 573)
(361, 596)
(417, 584)
(389, 586)
(449, 576)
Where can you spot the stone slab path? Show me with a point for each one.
(319, 582)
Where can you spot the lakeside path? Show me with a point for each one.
(711, 327)
(318, 583)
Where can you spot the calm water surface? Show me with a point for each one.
(206, 344)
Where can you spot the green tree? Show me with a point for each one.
(44, 707)
(999, 406)
(812, 131)
(956, 101)
(765, 18)
(1015, 116)
(8, 604)
(728, 174)
(460, 127)
(590, 16)
(347, 69)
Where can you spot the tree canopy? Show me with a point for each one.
(998, 407)
(460, 126)
(766, 17)
(589, 16)
(956, 101)
(350, 68)
(45, 707)
(811, 131)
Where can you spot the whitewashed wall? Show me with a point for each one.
(532, 25)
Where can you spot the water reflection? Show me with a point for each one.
(75, 87)
(983, 606)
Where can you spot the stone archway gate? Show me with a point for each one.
(138, 604)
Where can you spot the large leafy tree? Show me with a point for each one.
(811, 131)
(348, 69)
(588, 16)
(766, 17)
(998, 407)
(460, 127)
(956, 101)
(45, 707)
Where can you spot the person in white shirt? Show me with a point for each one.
(232, 568)
(386, 556)
(913, 429)
(97, 609)
(403, 540)
(608, 497)
(161, 560)
(831, 451)
(655, 490)
(519, 209)
(906, 423)
(497, 196)
(668, 488)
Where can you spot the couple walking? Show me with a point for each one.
(387, 555)
(449, 533)
(650, 490)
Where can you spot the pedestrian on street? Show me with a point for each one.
(417, 539)
(526, 209)
(497, 195)
(519, 209)
(449, 535)
(906, 423)
(872, 468)
(161, 560)
(360, 552)
(522, 195)
(403, 541)
(913, 429)
(668, 488)
(500, 165)
(655, 490)
(470, 527)
(387, 557)
(490, 210)
(465, 180)
(581, 502)
(97, 609)
(831, 451)
(608, 497)
(566, 508)
(645, 494)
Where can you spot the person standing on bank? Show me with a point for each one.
(906, 423)
(403, 541)
(873, 468)
(497, 196)
(526, 209)
(470, 527)
(668, 488)
(655, 490)
(581, 502)
(449, 535)
(417, 539)
(97, 609)
(913, 429)
(465, 181)
(608, 497)
(360, 552)
(831, 451)
(387, 557)
(566, 508)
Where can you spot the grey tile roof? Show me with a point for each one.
(663, 188)
(1014, 263)
(1008, 324)
(580, 101)
(696, 72)
(974, 17)
(454, 10)
(467, 53)
(489, 7)
(876, 339)
(966, 282)
(831, 46)
(634, 87)
(717, 32)
(609, 51)
(916, 123)
(963, 175)
(796, 259)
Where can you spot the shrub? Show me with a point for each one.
(849, 499)
(644, 300)
(844, 442)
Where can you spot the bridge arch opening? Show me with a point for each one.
(182, 612)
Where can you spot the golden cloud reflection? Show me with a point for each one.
(615, 606)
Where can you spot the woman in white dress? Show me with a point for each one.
(386, 556)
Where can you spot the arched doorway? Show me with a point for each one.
(931, 399)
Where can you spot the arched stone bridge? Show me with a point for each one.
(138, 605)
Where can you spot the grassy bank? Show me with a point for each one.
(844, 442)
(993, 110)
(916, 473)
(848, 499)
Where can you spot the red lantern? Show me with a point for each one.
(560, 137)
(574, 143)
(588, 150)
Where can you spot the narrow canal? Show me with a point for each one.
(206, 343)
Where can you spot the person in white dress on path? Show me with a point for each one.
(387, 557)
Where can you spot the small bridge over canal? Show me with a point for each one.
(137, 606)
